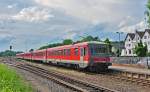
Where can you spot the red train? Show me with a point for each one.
(92, 55)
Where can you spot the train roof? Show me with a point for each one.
(67, 46)
(77, 44)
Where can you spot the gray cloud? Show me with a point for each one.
(72, 19)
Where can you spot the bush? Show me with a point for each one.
(11, 82)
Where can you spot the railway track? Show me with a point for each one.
(137, 78)
(69, 82)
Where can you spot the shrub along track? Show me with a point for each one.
(67, 81)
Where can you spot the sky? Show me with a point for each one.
(27, 24)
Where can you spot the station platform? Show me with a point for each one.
(130, 69)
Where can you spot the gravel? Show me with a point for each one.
(42, 85)
(98, 79)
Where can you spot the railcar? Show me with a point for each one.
(39, 55)
(88, 55)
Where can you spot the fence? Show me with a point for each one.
(127, 60)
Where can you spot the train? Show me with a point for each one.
(91, 55)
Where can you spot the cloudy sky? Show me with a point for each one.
(26, 24)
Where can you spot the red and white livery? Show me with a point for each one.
(92, 55)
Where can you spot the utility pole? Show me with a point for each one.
(119, 34)
(10, 51)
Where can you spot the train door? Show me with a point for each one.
(82, 55)
(45, 56)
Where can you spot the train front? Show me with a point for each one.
(99, 56)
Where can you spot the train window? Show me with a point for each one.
(76, 51)
(85, 51)
(49, 53)
(65, 52)
(61, 52)
(68, 52)
(58, 53)
(82, 52)
(39, 54)
(55, 53)
(98, 49)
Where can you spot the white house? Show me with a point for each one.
(131, 40)
(129, 45)
(146, 39)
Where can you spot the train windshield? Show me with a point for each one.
(99, 50)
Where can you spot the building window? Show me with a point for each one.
(129, 45)
(129, 51)
(129, 40)
(145, 37)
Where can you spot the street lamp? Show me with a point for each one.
(146, 18)
(119, 34)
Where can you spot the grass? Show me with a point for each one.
(10, 81)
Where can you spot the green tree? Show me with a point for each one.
(118, 53)
(108, 44)
(140, 50)
(148, 12)
(50, 45)
(90, 38)
(67, 41)
(31, 50)
(9, 53)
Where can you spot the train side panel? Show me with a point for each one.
(70, 55)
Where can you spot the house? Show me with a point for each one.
(146, 39)
(132, 39)
(129, 45)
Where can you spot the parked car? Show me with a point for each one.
(145, 62)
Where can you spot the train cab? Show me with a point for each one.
(99, 55)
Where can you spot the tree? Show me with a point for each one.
(108, 44)
(31, 50)
(140, 50)
(67, 41)
(90, 38)
(9, 53)
(118, 53)
(50, 45)
(148, 12)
